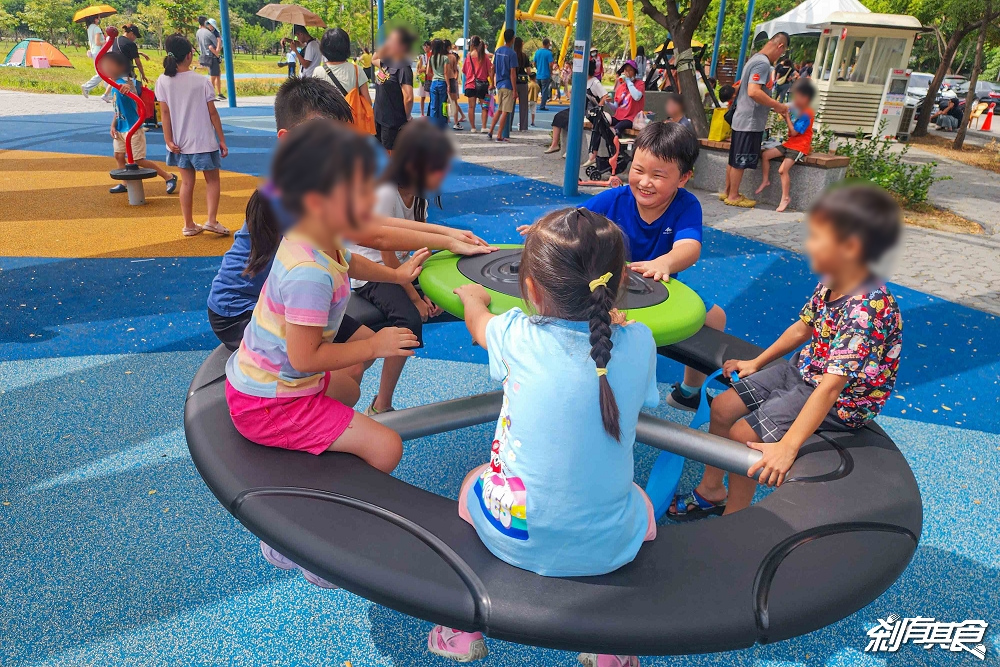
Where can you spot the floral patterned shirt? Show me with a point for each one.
(859, 336)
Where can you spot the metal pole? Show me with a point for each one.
(227, 54)
(578, 97)
(381, 20)
(418, 422)
(746, 39)
(718, 37)
(371, 21)
(465, 41)
(509, 18)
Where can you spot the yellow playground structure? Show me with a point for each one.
(565, 16)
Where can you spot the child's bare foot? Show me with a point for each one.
(763, 185)
(783, 204)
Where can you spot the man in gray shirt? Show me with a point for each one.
(208, 53)
(753, 103)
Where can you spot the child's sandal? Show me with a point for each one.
(456, 645)
(215, 228)
(694, 506)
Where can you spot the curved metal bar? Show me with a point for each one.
(112, 33)
(413, 423)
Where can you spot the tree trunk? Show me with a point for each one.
(688, 80)
(949, 54)
(970, 97)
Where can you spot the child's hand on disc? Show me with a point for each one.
(473, 292)
(393, 342)
(657, 269)
(410, 269)
(466, 248)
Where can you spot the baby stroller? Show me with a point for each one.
(610, 159)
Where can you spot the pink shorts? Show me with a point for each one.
(304, 423)
(470, 481)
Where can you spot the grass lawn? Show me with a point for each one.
(67, 81)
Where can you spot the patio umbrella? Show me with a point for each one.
(291, 14)
(100, 11)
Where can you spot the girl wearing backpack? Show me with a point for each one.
(348, 78)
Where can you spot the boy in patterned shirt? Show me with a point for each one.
(840, 380)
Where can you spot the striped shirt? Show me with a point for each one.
(307, 287)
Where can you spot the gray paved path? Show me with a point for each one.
(957, 267)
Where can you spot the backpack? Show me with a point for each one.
(361, 109)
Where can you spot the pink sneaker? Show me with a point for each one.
(456, 645)
(602, 660)
(283, 563)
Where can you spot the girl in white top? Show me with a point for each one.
(336, 49)
(418, 166)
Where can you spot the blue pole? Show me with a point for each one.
(510, 14)
(510, 23)
(746, 40)
(465, 41)
(578, 97)
(718, 37)
(227, 54)
(381, 20)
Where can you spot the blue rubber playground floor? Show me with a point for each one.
(115, 552)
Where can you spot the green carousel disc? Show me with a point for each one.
(672, 310)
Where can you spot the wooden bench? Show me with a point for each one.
(810, 178)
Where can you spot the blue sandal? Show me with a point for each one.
(693, 507)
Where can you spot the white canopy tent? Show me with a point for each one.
(804, 18)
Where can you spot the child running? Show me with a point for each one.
(663, 223)
(192, 131)
(852, 330)
(115, 66)
(557, 496)
(237, 285)
(418, 166)
(799, 119)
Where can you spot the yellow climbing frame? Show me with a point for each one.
(565, 16)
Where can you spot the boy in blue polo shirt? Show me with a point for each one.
(662, 222)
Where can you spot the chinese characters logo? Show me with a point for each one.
(893, 632)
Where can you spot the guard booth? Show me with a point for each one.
(856, 54)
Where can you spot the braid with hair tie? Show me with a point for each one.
(602, 300)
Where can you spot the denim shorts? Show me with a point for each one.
(197, 161)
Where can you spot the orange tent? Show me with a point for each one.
(20, 55)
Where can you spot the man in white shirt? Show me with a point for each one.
(310, 57)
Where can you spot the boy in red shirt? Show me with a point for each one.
(799, 118)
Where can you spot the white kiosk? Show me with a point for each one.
(855, 58)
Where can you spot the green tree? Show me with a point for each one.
(49, 18)
(182, 15)
(152, 18)
(8, 22)
(682, 22)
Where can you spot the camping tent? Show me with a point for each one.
(809, 13)
(20, 55)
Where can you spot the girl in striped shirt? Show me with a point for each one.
(290, 384)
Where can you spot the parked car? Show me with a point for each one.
(916, 89)
(953, 81)
(986, 91)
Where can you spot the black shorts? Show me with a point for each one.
(744, 149)
(214, 67)
(561, 119)
(480, 91)
(775, 396)
(386, 135)
(230, 330)
(394, 303)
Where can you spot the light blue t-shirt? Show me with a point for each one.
(558, 498)
(543, 64)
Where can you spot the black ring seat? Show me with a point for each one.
(133, 172)
(817, 549)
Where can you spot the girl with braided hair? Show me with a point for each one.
(557, 495)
